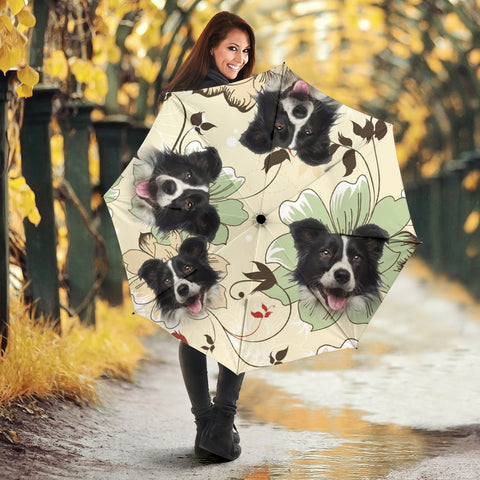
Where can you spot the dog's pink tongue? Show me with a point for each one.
(196, 307)
(142, 190)
(336, 303)
(301, 87)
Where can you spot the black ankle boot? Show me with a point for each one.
(201, 423)
(219, 436)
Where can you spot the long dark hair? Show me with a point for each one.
(194, 69)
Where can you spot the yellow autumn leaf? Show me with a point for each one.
(22, 199)
(6, 22)
(3, 4)
(26, 18)
(82, 70)
(28, 76)
(148, 70)
(472, 222)
(10, 56)
(97, 86)
(57, 151)
(56, 65)
(15, 5)
(474, 56)
(100, 81)
(24, 90)
(470, 182)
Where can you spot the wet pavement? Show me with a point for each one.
(406, 399)
(408, 393)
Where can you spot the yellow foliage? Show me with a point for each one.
(13, 51)
(93, 160)
(430, 167)
(56, 65)
(15, 5)
(474, 56)
(28, 76)
(472, 222)
(81, 69)
(97, 87)
(24, 90)
(455, 27)
(105, 49)
(22, 199)
(26, 18)
(41, 363)
(57, 153)
(148, 70)
(93, 77)
(444, 50)
(6, 22)
(470, 182)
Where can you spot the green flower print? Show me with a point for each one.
(349, 207)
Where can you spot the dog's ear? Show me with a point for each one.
(375, 237)
(257, 138)
(318, 153)
(195, 246)
(210, 162)
(206, 222)
(305, 232)
(149, 272)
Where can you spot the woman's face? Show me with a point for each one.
(231, 54)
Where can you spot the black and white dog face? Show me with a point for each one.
(175, 193)
(185, 284)
(296, 119)
(336, 270)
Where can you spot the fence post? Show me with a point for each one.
(5, 92)
(111, 138)
(74, 120)
(41, 240)
(137, 133)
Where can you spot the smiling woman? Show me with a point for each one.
(225, 51)
(231, 54)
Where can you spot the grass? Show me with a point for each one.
(39, 363)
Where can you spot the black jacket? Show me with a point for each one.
(213, 79)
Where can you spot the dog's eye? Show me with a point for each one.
(187, 269)
(308, 131)
(326, 253)
(187, 175)
(167, 282)
(357, 258)
(188, 204)
(279, 126)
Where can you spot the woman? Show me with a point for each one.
(224, 52)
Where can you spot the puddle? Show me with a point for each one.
(396, 401)
(365, 450)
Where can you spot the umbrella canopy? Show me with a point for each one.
(262, 221)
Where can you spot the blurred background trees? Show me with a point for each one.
(414, 63)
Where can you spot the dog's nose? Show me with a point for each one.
(182, 290)
(342, 276)
(169, 187)
(300, 111)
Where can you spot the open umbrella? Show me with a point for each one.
(262, 221)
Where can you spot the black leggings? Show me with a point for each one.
(193, 364)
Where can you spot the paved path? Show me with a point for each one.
(407, 399)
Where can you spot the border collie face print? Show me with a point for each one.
(184, 285)
(297, 119)
(175, 193)
(337, 270)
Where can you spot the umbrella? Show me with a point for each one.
(262, 221)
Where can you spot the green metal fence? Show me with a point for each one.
(445, 209)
